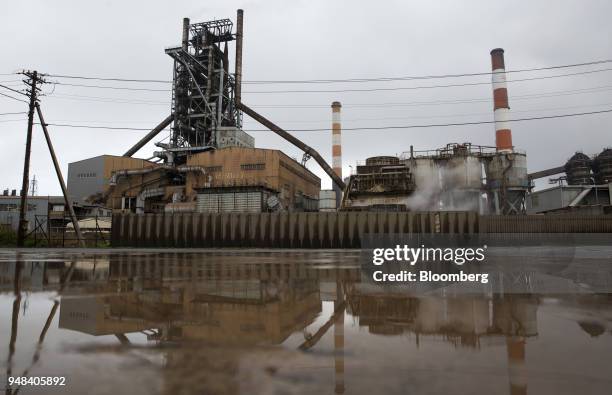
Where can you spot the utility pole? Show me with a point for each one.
(21, 231)
(60, 178)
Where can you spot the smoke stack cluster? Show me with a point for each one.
(503, 134)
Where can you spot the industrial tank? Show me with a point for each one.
(602, 167)
(425, 172)
(382, 160)
(507, 182)
(508, 168)
(461, 177)
(578, 169)
(462, 172)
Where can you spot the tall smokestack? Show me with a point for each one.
(185, 34)
(503, 134)
(337, 147)
(238, 70)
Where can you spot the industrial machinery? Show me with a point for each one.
(204, 111)
(602, 167)
(383, 183)
(578, 169)
(588, 190)
(206, 99)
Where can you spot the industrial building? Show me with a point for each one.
(224, 180)
(88, 179)
(457, 177)
(211, 165)
(586, 187)
(41, 207)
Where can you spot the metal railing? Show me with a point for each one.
(57, 230)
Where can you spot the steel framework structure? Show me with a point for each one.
(203, 88)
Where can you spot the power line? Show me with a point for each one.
(401, 88)
(113, 87)
(427, 76)
(349, 90)
(13, 113)
(13, 90)
(14, 98)
(596, 89)
(321, 81)
(364, 128)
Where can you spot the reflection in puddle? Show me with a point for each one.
(284, 322)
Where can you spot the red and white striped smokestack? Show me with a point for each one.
(503, 134)
(336, 139)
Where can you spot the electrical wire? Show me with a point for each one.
(364, 128)
(14, 98)
(13, 113)
(401, 88)
(14, 90)
(596, 89)
(320, 81)
(348, 90)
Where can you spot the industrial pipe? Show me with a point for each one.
(181, 169)
(295, 141)
(546, 173)
(149, 136)
(501, 108)
(238, 70)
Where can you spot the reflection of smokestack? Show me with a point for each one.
(185, 33)
(503, 134)
(238, 71)
(339, 339)
(337, 146)
(516, 365)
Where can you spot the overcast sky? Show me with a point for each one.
(314, 39)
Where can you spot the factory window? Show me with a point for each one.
(86, 175)
(252, 166)
(213, 169)
(128, 203)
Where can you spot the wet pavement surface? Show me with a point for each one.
(283, 322)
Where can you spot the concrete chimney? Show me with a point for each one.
(337, 146)
(503, 134)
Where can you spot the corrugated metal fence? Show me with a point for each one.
(326, 230)
(279, 230)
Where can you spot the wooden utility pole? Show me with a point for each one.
(22, 230)
(60, 178)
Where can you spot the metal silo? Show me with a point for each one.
(507, 182)
(461, 175)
